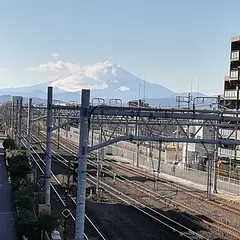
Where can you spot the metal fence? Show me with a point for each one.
(224, 184)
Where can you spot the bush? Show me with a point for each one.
(15, 154)
(9, 143)
(47, 222)
(26, 224)
(19, 170)
(26, 198)
(18, 164)
(22, 200)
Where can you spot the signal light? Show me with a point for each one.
(75, 172)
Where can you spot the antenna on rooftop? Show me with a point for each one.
(144, 87)
(197, 85)
(191, 85)
(139, 91)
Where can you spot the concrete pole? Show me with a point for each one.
(16, 122)
(209, 179)
(126, 132)
(102, 152)
(58, 133)
(177, 147)
(48, 147)
(39, 115)
(82, 165)
(98, 174)
(100, 156)
(12, 119)
(216, 153)
(186, 152)
(159, 157)
(20, 123)
(92, 140)
(29, 126)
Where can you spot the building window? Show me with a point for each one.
(235, 55)
(230, 94)
(234, 74)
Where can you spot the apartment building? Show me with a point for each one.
(232, 98)
(231, 82)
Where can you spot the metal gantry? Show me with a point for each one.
(118, 123)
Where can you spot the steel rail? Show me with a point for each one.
(59, 197)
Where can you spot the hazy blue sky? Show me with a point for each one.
(171, 40)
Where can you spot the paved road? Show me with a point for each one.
(7, 231)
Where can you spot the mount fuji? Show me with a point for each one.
(104, 79)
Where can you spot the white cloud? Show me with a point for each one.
(74, 76)
(3, 69)
(89, 70)
(58, 66)
(54, 54)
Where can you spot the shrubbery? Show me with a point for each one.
(9, 144)
(26, 195)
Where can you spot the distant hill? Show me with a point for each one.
(106, 80)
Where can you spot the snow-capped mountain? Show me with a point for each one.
(107, 79)
(104, 79)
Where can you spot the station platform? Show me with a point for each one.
(221, 194)
(7, 231)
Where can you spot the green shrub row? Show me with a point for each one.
(26, 195)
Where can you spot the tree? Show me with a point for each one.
(19, 170)
(26, 224)
(14, 156)
(47, 222)
(9, 143)
(23, 200)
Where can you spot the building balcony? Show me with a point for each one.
(235, 55)
(224, 152)
(234, 75)
(231, 94)
(228, 133)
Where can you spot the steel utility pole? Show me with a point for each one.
(100, 157)
(216, 132)
(209, 176)
(159, 157)
(82, 165)
(48, 147)
(20, 123)
(58, 133)
(138, 143)
(16, 121)
(29, 126)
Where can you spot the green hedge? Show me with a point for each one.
(26, 195)
(9, 144)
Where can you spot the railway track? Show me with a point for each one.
(187, 190)
(225, 229)
(91, 230)
(176, 227)
(219, 226)
(72, 148)
(162, 219)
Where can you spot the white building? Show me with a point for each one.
(192, 153)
